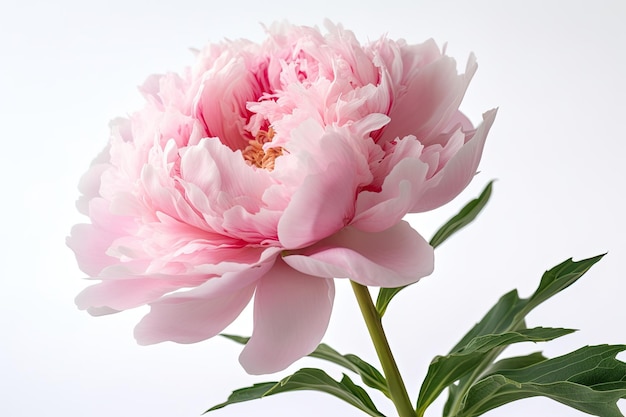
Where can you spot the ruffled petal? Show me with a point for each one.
(458, 172)
(378, 211)
(432, 99)
(391, 258)
(291, 314)
(222, 94)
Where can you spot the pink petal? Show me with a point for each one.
(324, 201)
(203, 312)
(459, 120)
(458, 172)
(122, 294)
(391, 258)
(291, 314)
(90, 242)
(378, 211)
(89, 245)
(222, 95)
(191, 318)
(433, 97)
(318, 209)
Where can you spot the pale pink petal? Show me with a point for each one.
(90, 245)
(459, 120)
(222, 95)
(458, 172)
(192, 317)
(122, 294)
(391, 258)
(324, 201)
(89, 184)
(203, 312)
(291, 314)
(90, 242)
(378, 211)
(432, 99)
(322, 205)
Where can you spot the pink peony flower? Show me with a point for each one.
(269, 170)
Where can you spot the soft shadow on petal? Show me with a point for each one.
(458, 172)
(433, 97)
(319, 208)
(203, 312)
(378, 211)
(391, 258)
(189, 319)
(291, 314)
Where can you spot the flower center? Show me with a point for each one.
(255, 155)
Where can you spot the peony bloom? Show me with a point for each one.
(269, 170)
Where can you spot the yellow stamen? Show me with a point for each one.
(255, 155)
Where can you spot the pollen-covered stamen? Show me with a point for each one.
(255, 155)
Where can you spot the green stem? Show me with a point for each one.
(372, 319)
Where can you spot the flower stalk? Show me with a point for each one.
(397, 390)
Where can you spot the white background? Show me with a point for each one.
(554, 68)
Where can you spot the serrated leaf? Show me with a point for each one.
(308, 379)
(464, 217)
(590, 379)
(368, 373)
(444, 370)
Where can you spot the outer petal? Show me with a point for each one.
(391, 258)
(122, 294)
(432, 99)
(291, 314)
(458, 172)
(90, 242)
(203, 312)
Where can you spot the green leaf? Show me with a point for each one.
(444, 370)
(507, 363)
(516, 362)
(239, 339)
(307, 379)
(456, 223)
(369, 374)
(509, 313)
(245, 394)
(463, 218)
(590, 379)
(318, 380)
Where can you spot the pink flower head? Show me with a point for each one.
(269, 170)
